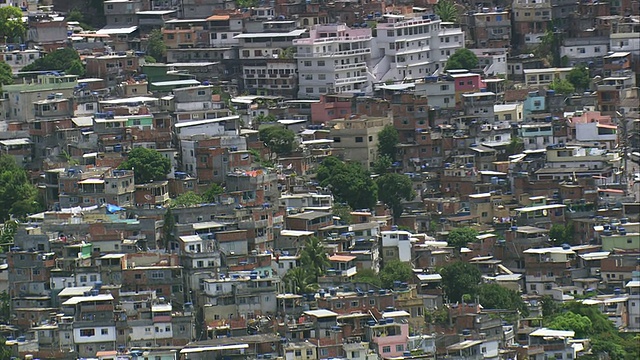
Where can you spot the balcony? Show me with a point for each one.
(162, 198)
(338, 39)
(333, 54)
(351, 66)
(351, 80)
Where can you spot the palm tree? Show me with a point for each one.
(314, 257)
(300, 280)
(446, 11)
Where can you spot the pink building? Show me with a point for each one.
(330, 107)
(389, 336)
(592, 127)
(466, 82)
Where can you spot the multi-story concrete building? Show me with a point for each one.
(491, 29)
(412, 48)
(333, 59)
(18, 58)
(356, 138)
(22, 96)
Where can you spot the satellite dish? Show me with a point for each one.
(149, 197)
(544, 212)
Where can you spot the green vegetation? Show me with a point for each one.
(278, 139)
(65, 59)
(148, 165)
(459, 279)
(393, 189)
(350, 183)
(76, 15)
(382, 165)
(515, 146)
(549, 48)
(579, 77)
(6, 74)
(446, 11)
(494, 296)
(168, 228)
(314, 258)
(562, 87)
(18, 197)
(156, 48)
(12, 29)
(189, 198)
(212, 193)
(242, 4)
(588, 322)
(8, 232)
(460, 237)
(343, 211)
(395, 270)
(388, 139)
(300, 281)
(561, 234)
(462, 59)
(367, 276)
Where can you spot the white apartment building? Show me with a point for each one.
(333, 58)
(411, 48)
(585, 50)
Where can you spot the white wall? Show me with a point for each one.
(98, 335)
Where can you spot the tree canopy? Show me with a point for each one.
(579, 77)
(446, 11)
(393, 189)
(561, 234)
(65, 59)
(460, 278)
(388, 139)
(12, 28)
(460, 237)
(494, 296)
(343, 211)
(278, 139)
(300, 280)
(6, 74)
(395, 270)
(562, 86)
(349, 183)
(156, 47)
(18, 196)
(148, 165)
(462, 59)
(168, 228)
(382, 165)
(314, 258)
(367, 276)
(572, 321)
(189, 198)
(212, 193)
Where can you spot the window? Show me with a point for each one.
(308, 63)
(336, 139)
(298, 353)
(309, 90)
(400, 347)
(321, 63)
(324, 352)
(386, 349)
(322, 76)
(359, 139)
(87, 332)
(104, 331)
(309, 352)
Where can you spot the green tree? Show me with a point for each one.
(76, 15)
(12, 28)
(168, 229)
(314, 257)
(562, 87)
(8, 232)
(76, 68)
(243, 4)
(278, 139)
(65, 59)
(579, 77)
(549, 48)
(393, 189)
(212, 193)
(395, 270)
(288, 53)
(515, 146)
(349, 183)
(18, 197)
(388, 140)
(462, 59)
(156, 47)
(572, 321)
(367, 276)
(446, 11)
(561, 234)
(6, 74)
(549, 306)
(343, 211)
(460, 237)
(300, 280)
(148, 165)
(187, 199)
(458, 279)
(382, 164)
(494, 296)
